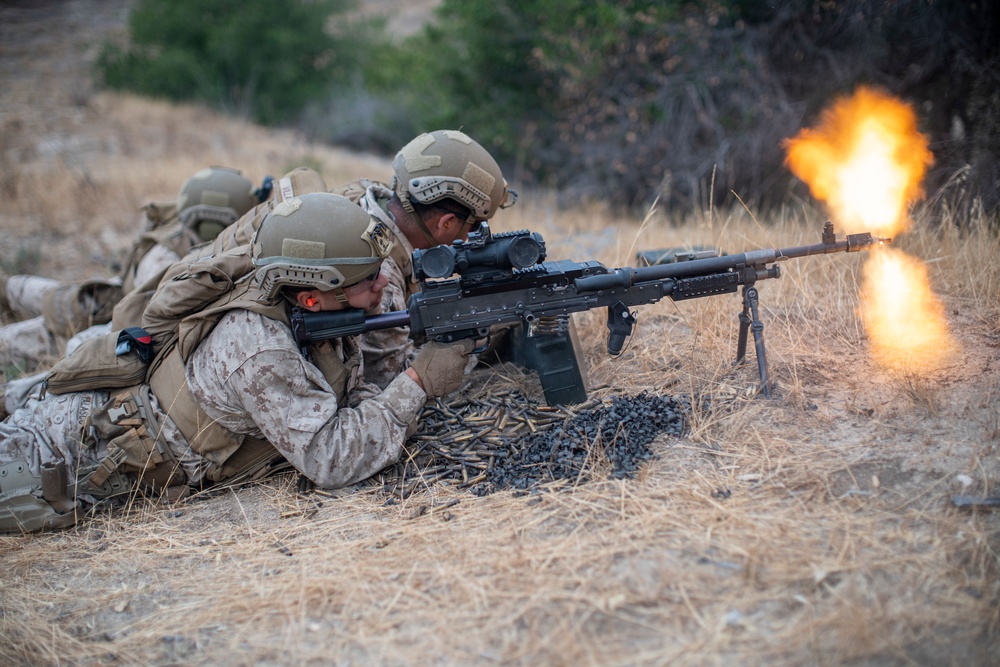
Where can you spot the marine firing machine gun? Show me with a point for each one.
(494, 280)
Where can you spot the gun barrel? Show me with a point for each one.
(338, 323)
(626, 277)
(851, 243)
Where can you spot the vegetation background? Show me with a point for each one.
(621, 101)
(814, 529)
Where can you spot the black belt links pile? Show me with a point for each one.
(509, 441)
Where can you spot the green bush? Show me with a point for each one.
(621, 100)
(259, 59)
(685, 101)
(627, 101)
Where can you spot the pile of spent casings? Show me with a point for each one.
(509, 441)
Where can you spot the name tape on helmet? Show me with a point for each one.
(286, 189)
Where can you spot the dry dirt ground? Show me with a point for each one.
(812, 529)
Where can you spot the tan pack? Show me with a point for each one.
(188, 287)
(94, 365)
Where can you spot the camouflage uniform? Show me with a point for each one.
(53, 428)
(387, 351)
(230, 392)
(249, 376)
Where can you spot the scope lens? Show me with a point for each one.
(438, 262)
(524, 252)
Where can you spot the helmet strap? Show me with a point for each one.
(404, 198)
(414, 216)
(423, 229)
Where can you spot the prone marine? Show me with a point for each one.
(230, 392)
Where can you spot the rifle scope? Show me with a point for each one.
(510, 250)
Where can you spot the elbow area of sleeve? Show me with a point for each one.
(361, 441)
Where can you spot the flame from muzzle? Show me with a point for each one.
(865, 159)
(904, 319)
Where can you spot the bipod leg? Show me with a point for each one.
(741, 343)
(750, 302)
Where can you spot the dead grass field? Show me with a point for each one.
(812, 529)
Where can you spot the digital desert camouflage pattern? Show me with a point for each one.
(387, 352)
(249, 375)
(45, 431)
(53, 428)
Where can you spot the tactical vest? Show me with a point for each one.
(231, 454)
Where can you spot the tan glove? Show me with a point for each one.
(441, 366)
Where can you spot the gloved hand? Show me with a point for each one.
(441, 366)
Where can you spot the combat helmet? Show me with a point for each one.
(213, 199)
(448, 164)
(318, 241)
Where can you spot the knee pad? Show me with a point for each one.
(15, 475)
(31, 503)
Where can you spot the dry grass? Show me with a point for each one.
(147, 152)
(812, 529)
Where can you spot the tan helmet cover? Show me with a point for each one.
(448, 164)
(318, 241)
(213, 199)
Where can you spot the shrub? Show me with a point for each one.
(630, 100)
(258, 59)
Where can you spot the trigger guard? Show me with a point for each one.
(484, 333)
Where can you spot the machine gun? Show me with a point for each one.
(488, 281)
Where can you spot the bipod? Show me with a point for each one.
(750, 320)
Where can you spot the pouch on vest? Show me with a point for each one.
(114, 360)
(127, 422)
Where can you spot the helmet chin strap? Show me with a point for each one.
(423, 229)
(404, 202)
